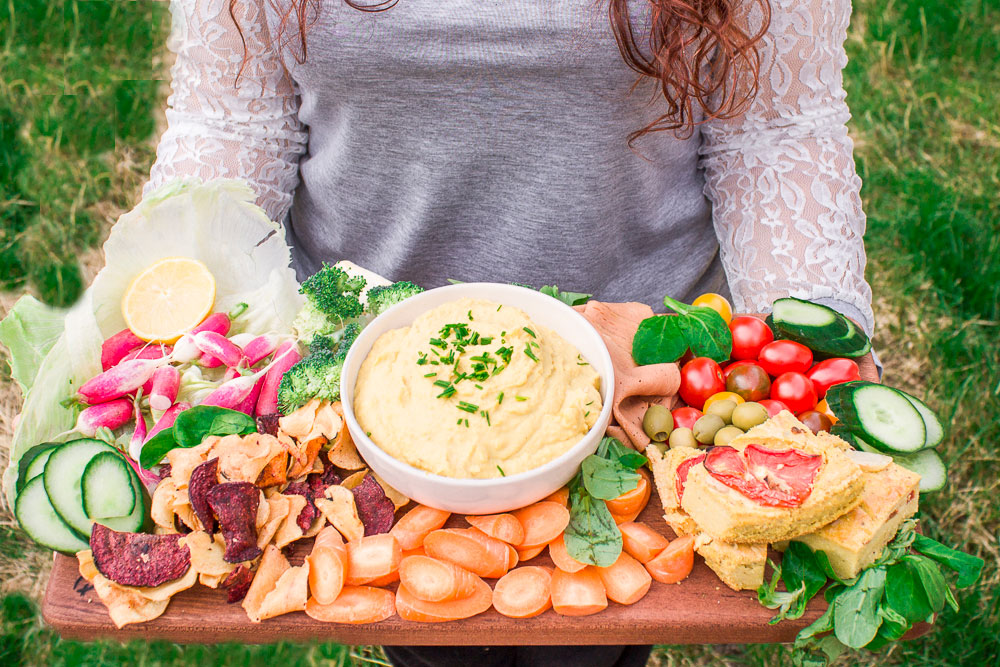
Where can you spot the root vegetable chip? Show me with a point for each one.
(207, 554)
(242, 458)
(138, 559)
(339, 509)
(275, 472)
(125, 604)
(397, 498)
(374, 508)
(343, 453)
(211, 580)
(203, 479)
(183, 461)
(236, 504)
(352, 481)
(277, 588)
(164, 592)
(278, 508)
(238, 583)
(298, 424)
(268, 423)
(289, 530)
(162, 508)
(308, 453)
(309, 511)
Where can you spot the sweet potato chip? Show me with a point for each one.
(343, 453)
(238, 583)
(86, 562)
(309, 451)
(203, 479)
(183, 461)
(397, 498)
(278, 508)
(236, 504)
(207, 554)
(374, 508)
(138, 559)
(275, 472)
(339, 509)
(272, 565)
(289, 530)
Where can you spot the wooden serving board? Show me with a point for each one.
(699, 610)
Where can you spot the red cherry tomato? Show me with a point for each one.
(772, 406)
(816, 421)
(700, 378)
(827, 373)
(785, 356)
(686, 417)
(794, 390)
(749, 335)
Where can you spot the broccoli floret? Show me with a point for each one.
(351, 332)
(321, 343)
(316, 376)
(383, 297)
(331, 301)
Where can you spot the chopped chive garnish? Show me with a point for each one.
(448, 392)
(470, 314)
(587, 413)
(466, 423)
(502, 473)
(429, 375)
(467, 407)
(499, 307)
(487, 415)
(500, 398)
(478, 386)
(441, 383)
(486, 340)
(531, 355)
(437, 342)
(589, 403)
(582, 363)
(530, 332)
(521, 398)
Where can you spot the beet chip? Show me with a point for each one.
(309, 512)
(204, 478)
(236, 503)
(138, 559)
(268, 423)
(374, 508)
(238, 583)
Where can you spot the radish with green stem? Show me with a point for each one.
(218, 346)
(111, 415)
(114, 348)
(115, 382)
(286, 356)
(233, 393)
(186, 350)
(167, 419)
(166, 381)
(259, 349)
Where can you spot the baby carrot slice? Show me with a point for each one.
(527, 554)
(512, 558)
(626, 581)
(625, 518)
(632, 502)
(524, 592)
(327, 566)
(413, 527)
(578, 593)
(673, 563)
(504, 527)
(372, 557)
(561, 496)
(561, 557)
(469, 548)
(382, 582)
(542, 522)
(355, 604)
(412, 608)
(642, 542)
(434, 580)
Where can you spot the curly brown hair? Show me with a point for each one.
(699, 51)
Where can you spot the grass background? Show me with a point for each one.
(80, 101)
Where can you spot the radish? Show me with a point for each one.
(139, 434)
(233, 393)
(115, 348)
(208, 361)
(112, 415)
(241, 339)
(167, 419)
(148, 352)
(248, 404)
(219, 347)
(166, 381)
(186, 350)
(285, 357)
(258, 349)
(120, 380)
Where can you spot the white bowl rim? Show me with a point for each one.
(347, 398)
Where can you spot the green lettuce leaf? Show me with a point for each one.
(28, 332)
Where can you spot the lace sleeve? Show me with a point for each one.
(217, 128)
(781, 177)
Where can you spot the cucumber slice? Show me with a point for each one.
(855, 343)
(106, 487)
(805, 319)
(930, 467)
(33, 462)
(132, 523)
(41, 522)
(884, 418)
(63, 475)
(935, 429)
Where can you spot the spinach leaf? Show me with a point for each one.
(932, 580)
(660, 339)
(855, 616)
(157, 447)
(591, 536)
(968, 567)
(627, 456)
(904, 592)
(707, 333)
(783, 601)
(192, 427)
(801, 571)
(569, 298)
(607, 478)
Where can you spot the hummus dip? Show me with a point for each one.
(475, 389)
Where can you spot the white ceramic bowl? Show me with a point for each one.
(481, 496)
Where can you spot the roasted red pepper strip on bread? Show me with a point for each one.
(773, 478)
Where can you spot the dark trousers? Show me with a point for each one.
(518, 656)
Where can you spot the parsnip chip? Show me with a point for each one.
(87, 568)
(165, 591)
(298, 424)
(272, 565)
(329, 421)
(339, 509)
(279, 506)
(183, 461)
(125, 604)
(303, 465)
(242, 458)
(206, 554)
(162, 508)
(185, 511)
(290, 593)
(352, 481)
(289, 529)
(211, 581)
(317, 466)
(263, 512)
(275, 472)
(343, 453)
(397, 498)
(317, 525)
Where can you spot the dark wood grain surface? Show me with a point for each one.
(699, 610)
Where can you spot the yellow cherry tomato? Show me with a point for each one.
(824, 407)
(716, 302)
(721, 396)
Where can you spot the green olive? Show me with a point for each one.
(683, 437)
(723, 408)
(660, 446)
(706, 427)
(725, 434)
(658, 423)
(748, 415)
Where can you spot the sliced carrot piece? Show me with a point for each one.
(372, 557)
(412, 608)
(524, 592)
(512, 558)
(355, 604)
(434, 580)
(542, 522)
(527, 554)
(327, 566)
(382, 582)
(632, 502)
(626, 581)
(578, 593)
(625, 518)
(641, 542)
(469, 548)
(673, 563)
(561, 557)
(419, 551)
(561, 496)
(504, 527)
(412, 527)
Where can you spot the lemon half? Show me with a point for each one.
(168, 299)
